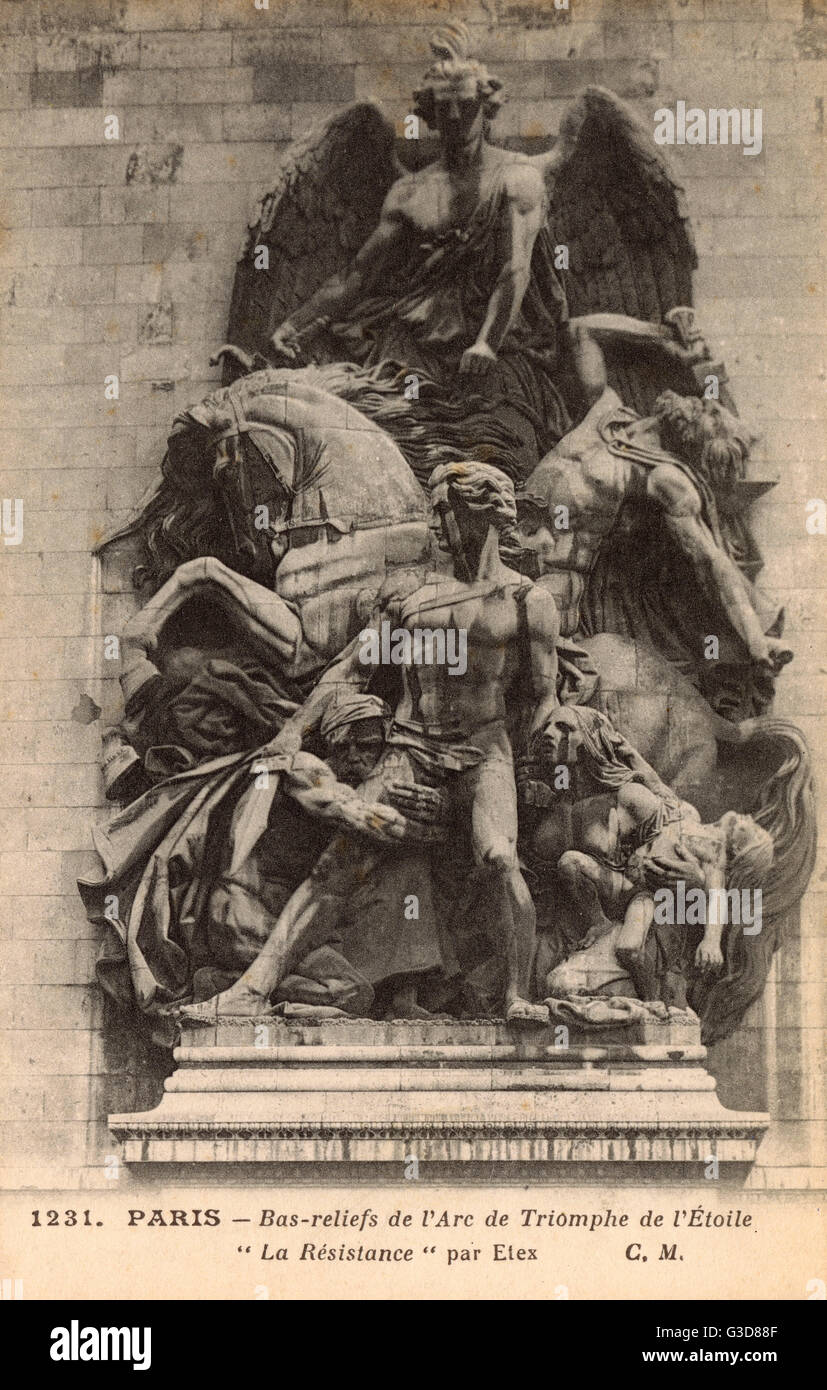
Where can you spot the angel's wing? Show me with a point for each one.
(615, 205)
(330, 190)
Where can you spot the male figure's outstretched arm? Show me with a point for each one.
(373, 262)
(587, 334)
(718, 575)
(311, 784)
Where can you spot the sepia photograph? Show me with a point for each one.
(414, 546)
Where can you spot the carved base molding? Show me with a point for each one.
(363, 1095)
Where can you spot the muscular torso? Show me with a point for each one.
(432, 696)
(581, 475)
(433, 200)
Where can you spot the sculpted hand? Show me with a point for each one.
(662, 871)
(688, 344)
(386, 822)
(777, 656)
(709, 956)
(477, 360)
(285, 341)
(424, 804)
(532, 791)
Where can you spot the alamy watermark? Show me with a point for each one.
(716, 907)
(717, 126)
(81, 1343)
(418, 646)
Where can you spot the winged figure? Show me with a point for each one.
(527, 312)
(460, 278)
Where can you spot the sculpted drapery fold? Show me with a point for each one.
(469, 396)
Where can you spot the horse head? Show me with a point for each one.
(234, 453)
(272, 461)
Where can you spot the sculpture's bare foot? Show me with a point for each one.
(405, 1005)
(526, 1015)
(236, 1002)
(309, 1011)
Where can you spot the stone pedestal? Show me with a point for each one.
(473, 1100)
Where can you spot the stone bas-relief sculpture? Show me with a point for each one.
(435, 437)
(449, 727)
(618, 836)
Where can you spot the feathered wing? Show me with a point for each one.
(615, 205)
(326, 202)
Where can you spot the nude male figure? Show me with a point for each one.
(449, 731)
(614, 462)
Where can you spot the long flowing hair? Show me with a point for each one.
(786, 811)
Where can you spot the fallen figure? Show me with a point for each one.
(626, 851)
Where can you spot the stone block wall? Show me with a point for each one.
(117, 257)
